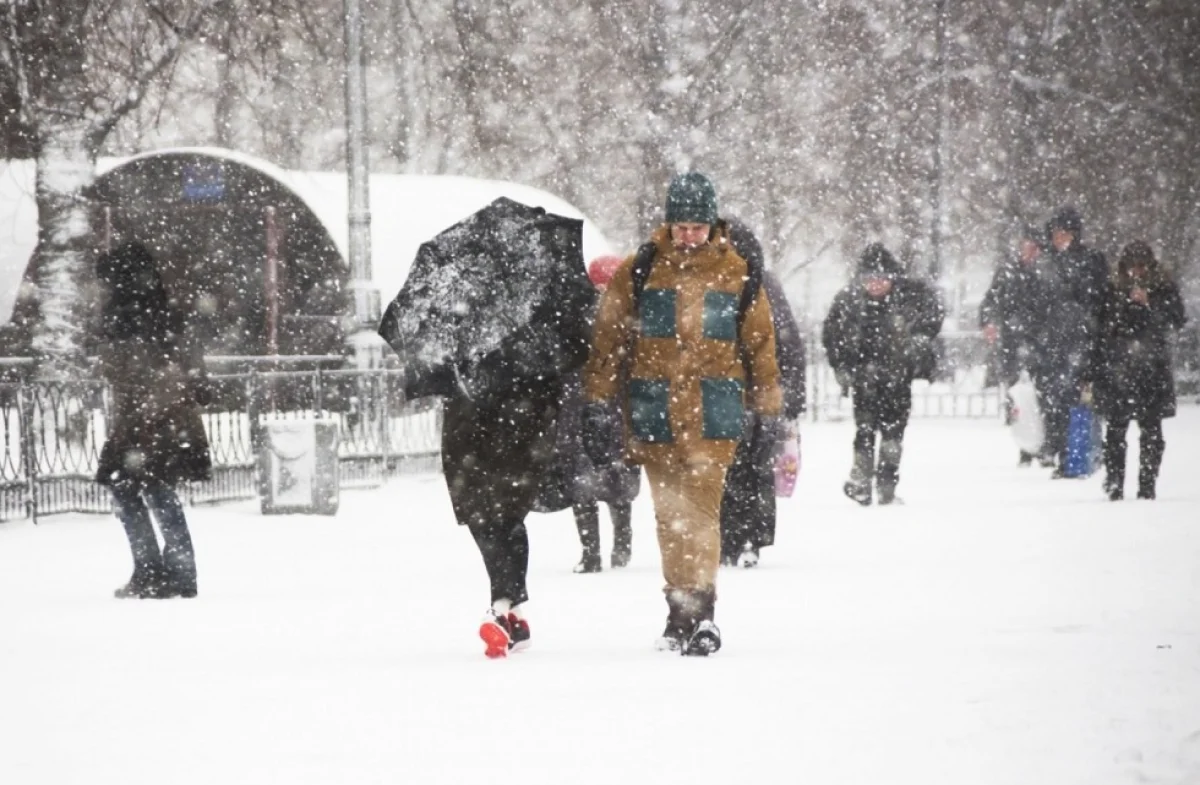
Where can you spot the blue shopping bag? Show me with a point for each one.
(1084, 443)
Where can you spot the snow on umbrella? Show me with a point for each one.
(502, 295)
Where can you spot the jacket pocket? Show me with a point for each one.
(720, 316)
(721, 402)
(649, 409)
(656, 309)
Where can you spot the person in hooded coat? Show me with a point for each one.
(748, 506)
(879, 335)
(1133, 380)
(1013, 308)
(1076, 282)
(156, 437)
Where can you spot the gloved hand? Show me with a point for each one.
(844, 378)
(774, 429)
(602, 441)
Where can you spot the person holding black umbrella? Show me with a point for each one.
(684, 339)
(493, 319)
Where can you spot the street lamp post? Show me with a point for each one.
(364, 294)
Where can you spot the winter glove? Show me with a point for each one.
(601, 426)
(844, 378)
(774, 429)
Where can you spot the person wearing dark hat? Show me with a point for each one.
(1077, 280)
(879, 335)
(1132, 375)
(681, 345)
(748, 507)
(1013, 307)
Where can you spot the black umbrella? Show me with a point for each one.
(496, 298)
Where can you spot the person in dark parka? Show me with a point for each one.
(496, 447)
(1076, 282)
(748, 507)
(156, 438)
(587, 483)
(1014, 306)
(1133, 379)
(879, 335)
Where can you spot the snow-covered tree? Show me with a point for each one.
(74, 69)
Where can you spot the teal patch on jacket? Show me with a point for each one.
(649, 409)
(720, 316)
(657, 314)
(721, 400)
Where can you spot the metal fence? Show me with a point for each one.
(52, 433)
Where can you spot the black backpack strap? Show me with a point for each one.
(750, 290)
(642, 263)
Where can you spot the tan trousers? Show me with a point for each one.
(687, 506)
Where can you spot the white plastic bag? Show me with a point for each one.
(1024, 417)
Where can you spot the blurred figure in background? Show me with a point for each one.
(1014, 306)
(1132, 374)
(879, 335)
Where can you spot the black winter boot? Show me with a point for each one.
(705, 637)
(147, 582)
(678, 624)
(179, 572)
(587, 521)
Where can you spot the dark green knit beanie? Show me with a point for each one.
(691, 198)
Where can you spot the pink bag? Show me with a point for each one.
(787, 466)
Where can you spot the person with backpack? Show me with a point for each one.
(748, 507)
(684, 339)
(1133, 380)
(880, 334)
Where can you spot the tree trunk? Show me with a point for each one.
(65, 168)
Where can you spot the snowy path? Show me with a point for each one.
(998, 628)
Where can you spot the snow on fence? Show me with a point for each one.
(52, 432)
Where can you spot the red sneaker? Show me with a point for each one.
(518, 632)
(496, 633)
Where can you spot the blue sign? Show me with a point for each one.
(204, 182)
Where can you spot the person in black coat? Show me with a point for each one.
(748, 506)
(582, 483)
(1133, 380)
(879, 335)
(156, 438)
(497, 445)
(1076, 282)
(1013, 307)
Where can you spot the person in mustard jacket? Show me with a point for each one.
(684, 343)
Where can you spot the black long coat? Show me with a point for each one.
(883, 341)
(498, 447)
(156, 376)
(1133, 378)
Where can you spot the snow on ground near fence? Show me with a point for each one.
(998, 628)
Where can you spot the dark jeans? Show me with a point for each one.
(587, 521)
(134, 501)
(1057, 391)
(504, 545)
(1152, 446)
(880, 408)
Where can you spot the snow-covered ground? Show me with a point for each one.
(998, 628)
